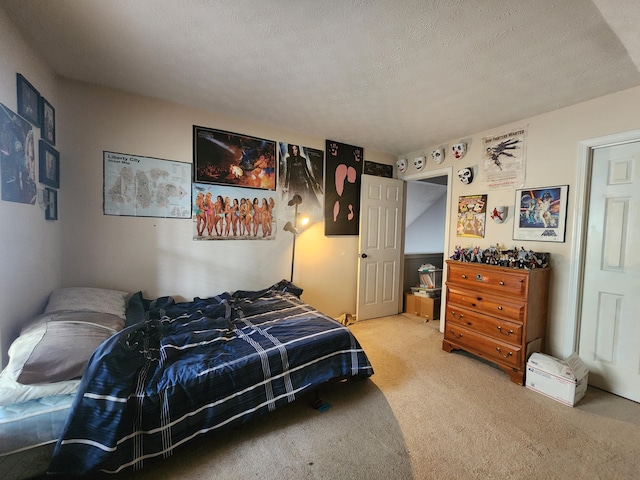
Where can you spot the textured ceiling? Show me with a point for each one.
(392, 75)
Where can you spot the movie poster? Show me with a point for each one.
(301, 172)
(226, 158)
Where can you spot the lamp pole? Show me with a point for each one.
(295, 201)
(293, 248)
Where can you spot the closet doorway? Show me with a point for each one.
(427, 222)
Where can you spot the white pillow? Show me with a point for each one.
(14, 392)
(56, 347)
(89, 300)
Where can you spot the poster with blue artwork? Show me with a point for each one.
(17, 158)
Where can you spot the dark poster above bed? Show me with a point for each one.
(227, 158)
(342, 189)
(17, 158)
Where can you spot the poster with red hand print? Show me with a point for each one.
(342, 189)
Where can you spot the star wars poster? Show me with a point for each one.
(504, 164)
(342, 197)
(472, 213)
(542, 214)
(301, 172)
(226, 158)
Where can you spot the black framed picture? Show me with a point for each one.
(344, 164)
(227, 158)
(47, 121)
(51, 199)
(49, 165)
(541, 214)
(28, 101)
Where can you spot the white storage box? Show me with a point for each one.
(564, 381)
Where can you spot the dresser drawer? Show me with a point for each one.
(507, 308)
(484, 346)
(497, 280)
(494, 327)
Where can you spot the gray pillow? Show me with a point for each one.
(88, 299)
(56, 346)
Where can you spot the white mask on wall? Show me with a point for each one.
(402, 165)
(438, 155)
(466, 175)
(459, 150)
(419, 162)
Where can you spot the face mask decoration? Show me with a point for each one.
(438, 155)
(499, 214)
(459, 149)
(419, 163)
(402, 165)
(466, 175)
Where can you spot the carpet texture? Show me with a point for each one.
(425, 414)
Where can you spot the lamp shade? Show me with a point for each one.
(295, 200)
(290, 228)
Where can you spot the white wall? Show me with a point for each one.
(426, 233)
(159, 256)
(551, 156)
(29, 245)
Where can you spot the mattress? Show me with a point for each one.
(28, 432)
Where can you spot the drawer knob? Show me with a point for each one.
(510, 332)
(457, 315)
(499, 308)
(464, 276)
(501, 283)
(505, 356)
(459, 335)
(479, 299)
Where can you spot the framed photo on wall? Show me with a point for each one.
(51, 198)
(49, 171)
(542, 214)
(47, 121)
(17, 158)
(28, 101)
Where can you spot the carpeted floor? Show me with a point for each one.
(425, 414)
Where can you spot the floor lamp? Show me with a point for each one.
(293, 227)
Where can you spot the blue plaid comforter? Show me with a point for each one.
(184, 369)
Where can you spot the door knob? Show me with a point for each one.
(363, 255)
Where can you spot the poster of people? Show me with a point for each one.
(504, 159)
(301, 172)
(17, 158)
(226, 158)
(542, 214)
(232, 213)
(472, 213)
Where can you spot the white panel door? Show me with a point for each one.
(610, 315)
(380, 248)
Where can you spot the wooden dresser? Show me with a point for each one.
(496, 313)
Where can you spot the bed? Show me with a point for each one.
(177, 370)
